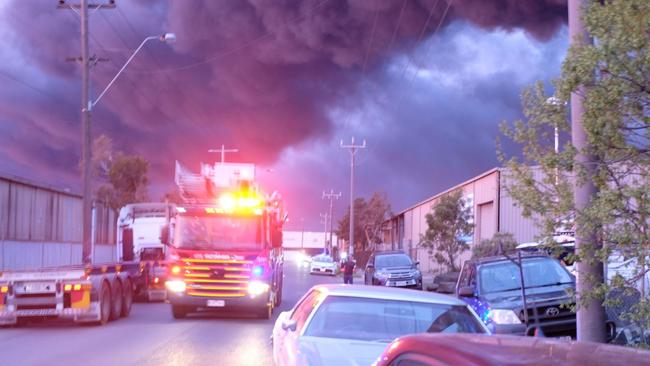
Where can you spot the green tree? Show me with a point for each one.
(615, 73)
(123, 178)
(500, 243)
(128, 178)
(369, 217)
(447, 224)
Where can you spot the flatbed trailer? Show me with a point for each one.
(94, 293)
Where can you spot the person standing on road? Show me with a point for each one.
(348, 270)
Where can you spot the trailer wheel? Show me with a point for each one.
(127, 300)
(179, 311)
(116, 306)
(104, 304)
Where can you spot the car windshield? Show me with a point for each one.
(323, 259)
(393, 260)
(538, 272)
(217, 233)
(383, 320)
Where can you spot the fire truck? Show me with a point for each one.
(224, 243)
(139, 228)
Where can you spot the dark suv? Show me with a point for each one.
(492, 287)
(394, 269)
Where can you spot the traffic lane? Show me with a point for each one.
(150, 336)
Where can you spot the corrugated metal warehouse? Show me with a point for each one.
(493, 210)
(41, 226)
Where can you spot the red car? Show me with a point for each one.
(504, 350)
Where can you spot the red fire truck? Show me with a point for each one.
(224, 243)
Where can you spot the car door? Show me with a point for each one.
(287, 340)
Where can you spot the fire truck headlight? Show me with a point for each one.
(175, 285)
(256, 288)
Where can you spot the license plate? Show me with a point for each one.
(39, 287)
(401, 283)
(216, 303)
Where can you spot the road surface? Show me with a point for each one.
(150, 336)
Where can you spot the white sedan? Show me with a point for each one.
(323, 264)
(351, 325)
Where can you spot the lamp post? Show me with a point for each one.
(86, 107)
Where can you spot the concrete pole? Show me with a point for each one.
(353, 150)
(591, 313)
(86, 218)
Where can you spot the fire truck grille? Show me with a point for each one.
(217, 278)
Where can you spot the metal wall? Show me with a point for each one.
(41, 226)
(492, 210)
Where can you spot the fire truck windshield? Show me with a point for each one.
(218, 233)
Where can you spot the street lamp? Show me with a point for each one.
(86, 107)
(167, 37)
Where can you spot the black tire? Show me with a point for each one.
(278, 295)
(104, 304)
(127, 298)
(179, 311)
(116, 301)
(265, 312)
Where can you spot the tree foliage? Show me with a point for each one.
(369, 217)
(500, 243)
(124, 177)
(612, 76)
(448, 223)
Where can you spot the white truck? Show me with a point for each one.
(139, 227)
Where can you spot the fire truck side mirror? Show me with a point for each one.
(164, 234)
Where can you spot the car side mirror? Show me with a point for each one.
(417, 263)
(289, 324)
(466, 291)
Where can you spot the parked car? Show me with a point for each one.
(481, 350)
(351, 325)
(393, 269)
(323, 264)
(492, 287)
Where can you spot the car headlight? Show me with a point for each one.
(175, 285)
(504, 316)
(381, 274)
(416, 273)
(256, 288)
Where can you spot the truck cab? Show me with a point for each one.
(139, 228)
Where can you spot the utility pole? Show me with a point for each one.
(302, 233)
(86, 133)
(353, 151)
(323, 220)
(590, 316)
(331, 196)
(223, 152)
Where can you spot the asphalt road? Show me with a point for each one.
(150, 336)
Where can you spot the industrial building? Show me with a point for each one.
(493, 210)
(41, 226)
